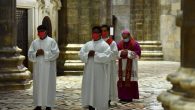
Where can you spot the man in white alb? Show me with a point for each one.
(112, 65)
(43, 52)
(95, 84)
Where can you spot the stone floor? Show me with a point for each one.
(152, 75)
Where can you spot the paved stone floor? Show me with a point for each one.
(152, 81)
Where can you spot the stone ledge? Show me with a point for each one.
(15, 85)
(15, 76)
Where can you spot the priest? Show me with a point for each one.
(129, 53)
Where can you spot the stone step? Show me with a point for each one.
(73, 65)
(72, 55)
(73, 73)
(151, 47)
(73, 47)
(73, 61)
(152, 54)
(151, 58)
(22, 75)
(144, 44)
(15, 85)
(149, 42)
(151, 50)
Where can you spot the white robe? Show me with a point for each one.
(113, 72)
(44, 71)
(95, 83)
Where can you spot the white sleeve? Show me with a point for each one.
(32, 53)
(103, 57)
(119, 54)
(53, 53)
(130, 55)
(83, 54)
(114, 50)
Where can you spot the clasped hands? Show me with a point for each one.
(91, 53)
(40, 52)
(124, 54)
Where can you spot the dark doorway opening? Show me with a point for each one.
(22, 32)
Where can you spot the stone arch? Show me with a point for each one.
(47, 22)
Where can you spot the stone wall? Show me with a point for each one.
(81, 16)
(169, 32)
(144, 21)
(141, 17)
(121, 10)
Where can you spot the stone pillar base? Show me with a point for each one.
(13, 75)
(15, 86)
(182, 94)
(61, 60)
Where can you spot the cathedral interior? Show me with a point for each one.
(163, 28)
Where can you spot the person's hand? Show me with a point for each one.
(91, 53)
(124, 53)
(133, 54)
(40, 52)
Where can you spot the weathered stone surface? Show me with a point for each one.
(80, 13)
(85, 3)
(120, 2)
(169, 32)
(72, 12)
(170, 35)
(72, 3)
(121, 10)
(84, 29)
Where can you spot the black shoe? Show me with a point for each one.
(91, 108)
(48, 108)
(38, 108)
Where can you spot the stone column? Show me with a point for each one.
(13, 75)
(62, 39)
(182, 94)
(105, 12)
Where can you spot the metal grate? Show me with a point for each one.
(22, 32)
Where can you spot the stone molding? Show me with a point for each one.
(25, 3)
(57, 4)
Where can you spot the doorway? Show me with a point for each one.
(22, 32)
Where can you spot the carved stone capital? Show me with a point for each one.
(56, 4)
